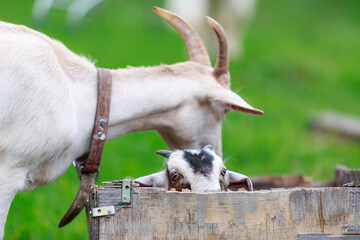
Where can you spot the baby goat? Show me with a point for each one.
(199, 170)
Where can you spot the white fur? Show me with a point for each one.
(199, 182)
(48, 100)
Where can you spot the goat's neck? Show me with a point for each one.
(143, 98)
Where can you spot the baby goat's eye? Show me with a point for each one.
(223, 171)
(175, 176)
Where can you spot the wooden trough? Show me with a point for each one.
(122, 210)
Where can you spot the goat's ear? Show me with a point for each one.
(158, 179)
(231, 101)
(234, 181)
(164, 153)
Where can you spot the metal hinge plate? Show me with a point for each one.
(103, 211)
(126, 191)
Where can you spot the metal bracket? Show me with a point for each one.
(110, 210)
(126, 191)
(102, 211)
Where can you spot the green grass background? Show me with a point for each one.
(302, 57)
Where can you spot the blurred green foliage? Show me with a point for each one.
(302, 57)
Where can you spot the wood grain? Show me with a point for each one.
(276, 214)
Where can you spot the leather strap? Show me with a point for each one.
(92, 162)
(87, 182)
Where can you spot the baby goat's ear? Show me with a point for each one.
(164, 153)
(234, 181)
(209, 147)
(158, 179)
(231, 101)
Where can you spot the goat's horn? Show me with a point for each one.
(196, 49)
(221, 70)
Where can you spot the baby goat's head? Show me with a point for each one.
(199, 170)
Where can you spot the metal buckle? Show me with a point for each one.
(79, 166)
(97, 175)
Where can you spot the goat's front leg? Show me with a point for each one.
(11, 180)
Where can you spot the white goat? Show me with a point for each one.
(48, 99)
(199, 170)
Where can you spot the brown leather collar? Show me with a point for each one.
(90, 163)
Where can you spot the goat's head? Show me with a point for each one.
(203, 124)
(199, 170)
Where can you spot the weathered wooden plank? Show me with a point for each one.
(276, 214)
(347, 176)
(324, 236)
(93, 223)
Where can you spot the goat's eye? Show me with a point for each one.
(223, 172)
(175, 176)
